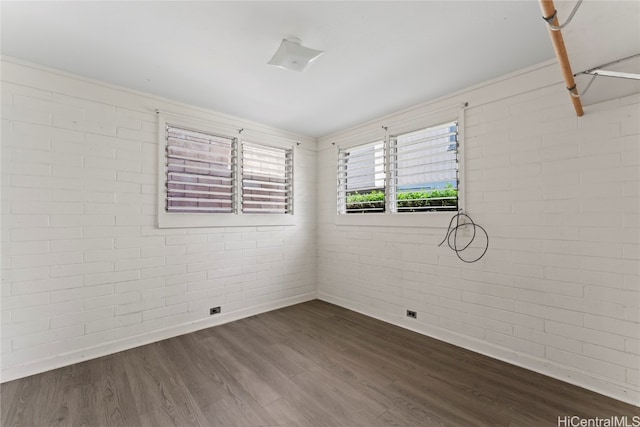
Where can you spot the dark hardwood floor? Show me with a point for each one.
(313, 364)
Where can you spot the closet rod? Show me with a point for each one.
(550, 16)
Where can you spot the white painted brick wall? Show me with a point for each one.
(85, 271)
(559, 289)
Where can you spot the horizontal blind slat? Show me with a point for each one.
(199, 209)
(218, 150)
(199, 199)
(195, 159)
(264, 196)
(443, 139)
(182, 135)
(266, 176)
(409, 172)
(200, 177)
(264, 202)
(176, 191)
(255, 155)
(364, 156)
(265, 211)
(249, 147)
(425, 152)
(217, 172)
(263, 183)
(197, 184)
(425, 158)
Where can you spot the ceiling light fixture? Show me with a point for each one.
(291, 55)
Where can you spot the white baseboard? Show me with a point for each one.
(58, 361)
(564, 373)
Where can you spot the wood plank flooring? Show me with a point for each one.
(313, 364)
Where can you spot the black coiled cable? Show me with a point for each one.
(453, 231)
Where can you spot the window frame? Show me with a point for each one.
(236, 218)
(405, 219)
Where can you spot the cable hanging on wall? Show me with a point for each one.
(452, 235)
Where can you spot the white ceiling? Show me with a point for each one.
(380, 56)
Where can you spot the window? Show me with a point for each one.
(200, 169)
(362, 178)
(209, 178)
(424, 169)
(266, 179)
(409, 172)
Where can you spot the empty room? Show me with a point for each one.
(320, 213)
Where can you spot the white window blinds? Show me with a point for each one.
(267, 184)
(362, 178)
(200, 171)
(424, 169)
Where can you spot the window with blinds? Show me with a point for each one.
(424, 169)
(362, 178)
(199, 171)
(410, 172)
(267, 185)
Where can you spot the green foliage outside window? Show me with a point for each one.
(421, 200)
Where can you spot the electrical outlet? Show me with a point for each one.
(412, 314)
(214, 310)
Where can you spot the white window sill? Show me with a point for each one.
(420, 219)
(189, 220)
